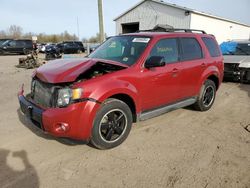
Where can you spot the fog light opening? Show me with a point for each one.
(62, 127)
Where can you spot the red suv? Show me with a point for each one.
(129, 78)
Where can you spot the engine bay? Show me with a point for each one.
(97, 70)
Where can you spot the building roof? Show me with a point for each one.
(182, 8)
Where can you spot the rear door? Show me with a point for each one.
(192, 65)
(161, 85)
(20, 46)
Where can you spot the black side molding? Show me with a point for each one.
(159, 111)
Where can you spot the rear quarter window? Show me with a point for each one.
(191, 49)
(212, 46)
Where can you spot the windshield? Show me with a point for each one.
(124, 49)
(4, 42)
(1, 42)
(234, 48)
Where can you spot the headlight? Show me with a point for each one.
(33, 83)
(66, 95)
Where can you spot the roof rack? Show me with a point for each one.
(166, 29)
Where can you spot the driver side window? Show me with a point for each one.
(12, 43)
(167, 48)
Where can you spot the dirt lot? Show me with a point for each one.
(183, 148)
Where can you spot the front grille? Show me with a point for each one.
(42, 93)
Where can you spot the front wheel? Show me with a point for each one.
(206, 97)
(112, 124)
(26, 52)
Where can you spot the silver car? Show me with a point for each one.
(236, 60)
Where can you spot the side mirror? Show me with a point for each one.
(154, 61)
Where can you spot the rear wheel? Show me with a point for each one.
(112, 124)
(206, 97)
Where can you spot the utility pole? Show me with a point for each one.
(101, 27)
(77, 28)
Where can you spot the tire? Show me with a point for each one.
(79, 51)
(206, 97)
(26, 52)
(112, 124)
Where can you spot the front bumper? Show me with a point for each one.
(231, 72)
(31, 111)
(74, 121)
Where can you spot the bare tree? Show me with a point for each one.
(15, 31)
(3, 34)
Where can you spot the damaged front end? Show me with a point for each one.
(245, 72)
(231, 71)
(57, 103)
(237, 68)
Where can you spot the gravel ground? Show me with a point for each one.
(183, 148)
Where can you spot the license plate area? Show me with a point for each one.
(31, 111)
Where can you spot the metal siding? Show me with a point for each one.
(221, 29)
(149, 14)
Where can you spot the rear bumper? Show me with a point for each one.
(74, 121)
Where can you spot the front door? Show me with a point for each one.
(161, 85)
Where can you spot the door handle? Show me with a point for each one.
(203, 65)
(175, 70)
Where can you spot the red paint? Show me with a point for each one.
(147, 88)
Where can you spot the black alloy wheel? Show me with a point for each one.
(112, 124)
(206, 97)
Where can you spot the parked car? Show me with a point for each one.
(52, 52)
(236, 60)
(41, 47)
(71, 47)
(93, 47)
(129, 78)
(3, 41)
(22, 46)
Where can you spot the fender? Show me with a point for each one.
(210, 70)
(100, 94)
(120, 87)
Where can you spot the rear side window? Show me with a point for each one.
(191, 49)
(167, 48)
(211, 46)
(20, 44)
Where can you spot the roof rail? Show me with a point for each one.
(174, 30)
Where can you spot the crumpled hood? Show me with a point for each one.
(237, 59)
(67, 70)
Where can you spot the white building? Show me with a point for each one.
(149, 13)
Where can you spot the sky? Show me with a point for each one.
(56, 16)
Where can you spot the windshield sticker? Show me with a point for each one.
(162, 50)
(125, 59)
(143, 40)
